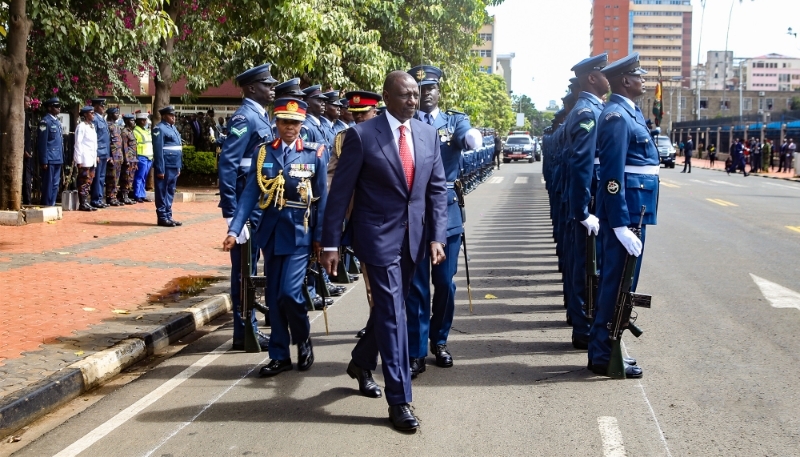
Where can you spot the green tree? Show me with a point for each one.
(488, 104)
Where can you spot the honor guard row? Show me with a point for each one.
(601, 172)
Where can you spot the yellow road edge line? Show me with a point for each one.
(796, 229)
(669, 184)
(721, 202)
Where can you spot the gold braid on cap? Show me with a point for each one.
(269, 187)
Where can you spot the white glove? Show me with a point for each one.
(473, 139)
(631, 242)
(592, 224)
(241, 237)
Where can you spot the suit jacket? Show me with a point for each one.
(384, 208)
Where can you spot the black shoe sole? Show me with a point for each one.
(270, 374)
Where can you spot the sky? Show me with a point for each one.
(550, 36)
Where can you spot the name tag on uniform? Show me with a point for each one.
(267, 165)
(302, 170)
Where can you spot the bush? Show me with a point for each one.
(199, 162)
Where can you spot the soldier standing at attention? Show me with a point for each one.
(115, 157)
(330, 115)
(311, 129)
(249, 128)
(144, 154)
(288, 183)
(103, 149)
(167, 155)
(346, 117)
(627, 180)
(85, 157)
(130, 160)
(582, 138)
(455, 135)
(49, 147)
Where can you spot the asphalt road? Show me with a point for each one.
(720, 361)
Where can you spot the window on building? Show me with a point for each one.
(747, 104)
(761, 104)
(783, 77)
(724, 104)
(485, 36)
(486, 53)
(769, 104)
(703, 102)
(682, 102)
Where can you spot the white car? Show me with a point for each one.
(518, 147)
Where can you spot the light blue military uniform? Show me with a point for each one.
(312, 131)
(167, 159)
(103, 151)
(248, 129)
(50, 149)
(628, 179)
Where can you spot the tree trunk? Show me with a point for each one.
(164, 78)
(13, 78)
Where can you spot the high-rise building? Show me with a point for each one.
(772, 72)
(659, 30)
(485, 50)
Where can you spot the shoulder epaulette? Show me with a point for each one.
(311, 145)
(276, 143)
(338, 141)
(452, 111)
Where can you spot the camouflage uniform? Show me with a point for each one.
(85, 178)
(114, 166)
(130, 163)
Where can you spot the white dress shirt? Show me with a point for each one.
(255, 105)
(395, 124)
(85, 145)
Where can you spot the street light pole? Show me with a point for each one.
(699, 50)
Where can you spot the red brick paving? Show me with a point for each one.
(44, 296)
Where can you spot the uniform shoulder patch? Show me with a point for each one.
(320, 150)
(588, 125)
(311, 145)
(613, 187)
(43, 126)
(238, 117)
(156, 130)
(612, 115)
(452, 111)
(238, 132)
(583, 110)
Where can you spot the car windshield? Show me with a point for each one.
(518, 140)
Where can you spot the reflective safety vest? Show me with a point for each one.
(144, 142)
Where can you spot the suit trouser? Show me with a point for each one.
(99, 183)
(687, 162)
(386, 332)
(287, 305)
(421, 326)
(236, 291)
(580, 323)
(51, 177)
(614, 255)
(165, 193)
(140, 182)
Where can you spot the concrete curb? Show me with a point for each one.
(30, 403)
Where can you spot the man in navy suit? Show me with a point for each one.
(392, 168)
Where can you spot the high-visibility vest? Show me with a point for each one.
(144, 142)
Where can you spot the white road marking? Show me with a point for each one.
(125, 415)
(702, 182)
(521, 180)
(611, 436)
(726, 183)
(782, 185)
(497, 180)
(650, 407)
(669, 184)
(777, 295)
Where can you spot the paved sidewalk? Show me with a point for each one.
(82, 284)
(720, 165)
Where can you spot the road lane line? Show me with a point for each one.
(668, 184)
(650, 407)
(777, 295)
(796, 229)
(521, 180)
(782, 185)
(125, 415)
(721, 202)
(497, 180)
(611, 436)
(726, 183)
(702, 182)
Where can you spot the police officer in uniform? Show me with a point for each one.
(130, 160)
(115, 157)
(456, 134)
(167, 155)
(103, 151)
(582, 136)
(288, 182)
(49, 147)
(248, 128)
(627, 180)
(311, 130)
(331, 115)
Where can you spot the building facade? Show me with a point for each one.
(485, 51)
(504, 68)
(610, 28)
(772, 72)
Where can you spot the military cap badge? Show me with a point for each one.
(420, 74)
(356, 99)
(291, 106)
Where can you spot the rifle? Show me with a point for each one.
(590, 288)
(248, 296)
(321, 287)
(626, 300)
(458, 187)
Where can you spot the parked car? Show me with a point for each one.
(666, 151)
(518, 147)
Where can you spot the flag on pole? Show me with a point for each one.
(658, 105)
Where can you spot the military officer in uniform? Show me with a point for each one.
(115, 157)
(130, 160)
(581, 222)
(627, 181)
(311, 130)
(248, 128)
(49, 147)
(455, 134)
(345, 120)
(167, 155)
(103, 151)
(288, 182)
(330, 115)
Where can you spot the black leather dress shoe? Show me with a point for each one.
(579, 343)
(366, 385)
(335, 290)
(442, 354)
(354, 278)
(402, 418)
(318, 303)
(113, 202)
(163, 223)
(631, 371)
(305, 355)
(86, 207)
(128, 201)
(276, 366)
(361, 333)
(177, 224)
(417, 366)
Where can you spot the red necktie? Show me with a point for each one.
(405, 157)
